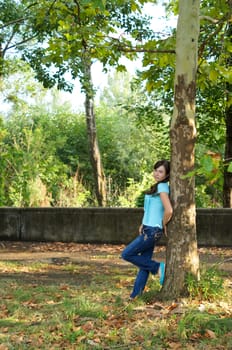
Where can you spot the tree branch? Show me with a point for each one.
(220, 23)
(8, 43)
(140, 49)
(19, 19)
(51, 6)
(201, 48)
(210, 19)
(12, 22)
(20, 42)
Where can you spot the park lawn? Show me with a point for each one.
(59, 304)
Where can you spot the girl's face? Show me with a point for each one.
(159, 173)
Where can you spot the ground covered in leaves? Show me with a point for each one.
(75, 296)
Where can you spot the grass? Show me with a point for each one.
(85, 306)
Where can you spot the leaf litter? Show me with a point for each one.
(78, 299)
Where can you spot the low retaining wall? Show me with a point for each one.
(101, 225)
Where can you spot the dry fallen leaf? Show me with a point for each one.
(175, 346)
(4, 347)
(88, 326)
(158, 306)
(210, 334)
(173, 306)
(64, 287)
(5, 330)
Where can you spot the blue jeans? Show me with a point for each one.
(139, 252)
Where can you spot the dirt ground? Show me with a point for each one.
(92, 260)
(63, 253)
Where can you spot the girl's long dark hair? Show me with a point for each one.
(166, 164)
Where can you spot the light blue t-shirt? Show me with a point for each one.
(153, 207)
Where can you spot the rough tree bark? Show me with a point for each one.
(95, 155)
(227, 186)
(182, 255)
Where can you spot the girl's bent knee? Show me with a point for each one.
(124, 256)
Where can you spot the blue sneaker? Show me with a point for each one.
(162, 272)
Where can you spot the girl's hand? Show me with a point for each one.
(140, 229)
(165, 230)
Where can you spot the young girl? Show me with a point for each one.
(157, 213)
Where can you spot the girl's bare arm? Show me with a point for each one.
(168, 211)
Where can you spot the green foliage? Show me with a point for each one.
(3, 162)
(209, 180)
(140, 118)
(213, 94)
(12, 31)
(209, 287)
(132, 196)
(45, 156)
(39, 172)
(135, 145)
(48, 158)
(199, 322)
(71, 32)
(137, 135)
(229, 169)
(206, 199)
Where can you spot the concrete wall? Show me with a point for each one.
(101, 225)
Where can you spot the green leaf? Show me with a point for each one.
(213, 75)
(207, 163)
(96, 3)
(230, 168)
(121, 68)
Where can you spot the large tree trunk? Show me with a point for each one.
(95, 156)
(182, 255)
(227, 187)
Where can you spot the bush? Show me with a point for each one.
(209, 287)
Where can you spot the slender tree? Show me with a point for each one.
(95, 155)
(71, 35)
